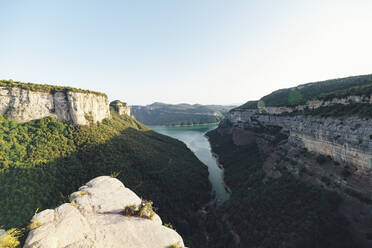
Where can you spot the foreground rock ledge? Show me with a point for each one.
(95, 219)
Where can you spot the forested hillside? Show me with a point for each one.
(179, 114)
(356, 85)
(43, 161)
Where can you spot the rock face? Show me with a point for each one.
(95, 219)
(315, 104)
(75, 107)
(121, 107)
(348, 140)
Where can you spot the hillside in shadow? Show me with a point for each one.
(43, 161)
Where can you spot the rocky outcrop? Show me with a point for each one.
(346, 140)
(121, 107)
(95, 218)
(79, 108)
(313, 104)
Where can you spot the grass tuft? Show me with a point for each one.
(11, 238)
(174, 245)
(144, 210)
(169, 226)
(73, 203)
(81, 193)
(114, 174)
(34, 224)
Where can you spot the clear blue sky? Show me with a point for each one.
(195, 51)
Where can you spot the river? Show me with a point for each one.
(197, 142)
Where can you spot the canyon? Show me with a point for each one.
(346, 140)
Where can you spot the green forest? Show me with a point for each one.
(43, 161)
(324, 90)
(9, 84)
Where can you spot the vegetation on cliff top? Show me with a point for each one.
(325, 90)
(338, 110)
(9, 84)
(361, 90)
(43, 161)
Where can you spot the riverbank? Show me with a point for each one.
(191, 125)
(228, 189)
(195, 139)
(224, 218)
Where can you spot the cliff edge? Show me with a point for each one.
(25, 102)
(95, 218)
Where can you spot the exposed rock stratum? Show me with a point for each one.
(76, 107)
(121, 107)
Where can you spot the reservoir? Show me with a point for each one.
(197, 142)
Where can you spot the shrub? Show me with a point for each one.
(73, 203)
(130, 210)
(345, 173)
(34, 224)
(114, 174)
(169, 226)
(175, 245)
(144, 210)
(10, 238)
(81, 193)
(293, 162)
(326, 180)
(321, 159)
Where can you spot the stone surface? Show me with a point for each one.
(95, 219)
(312, 104)
(79, 108)
(348, 139)
(121, 107)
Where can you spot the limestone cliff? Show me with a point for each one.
(79, 108)
(346, 140)
(121, 107)
(95, 218)
(318, 103)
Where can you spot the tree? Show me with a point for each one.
(261, 105)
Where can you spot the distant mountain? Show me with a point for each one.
(334, 88)
(179, 114)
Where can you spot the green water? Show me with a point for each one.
(193, 137)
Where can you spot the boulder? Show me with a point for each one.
(95, 218)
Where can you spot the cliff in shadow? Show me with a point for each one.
(298, 162)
